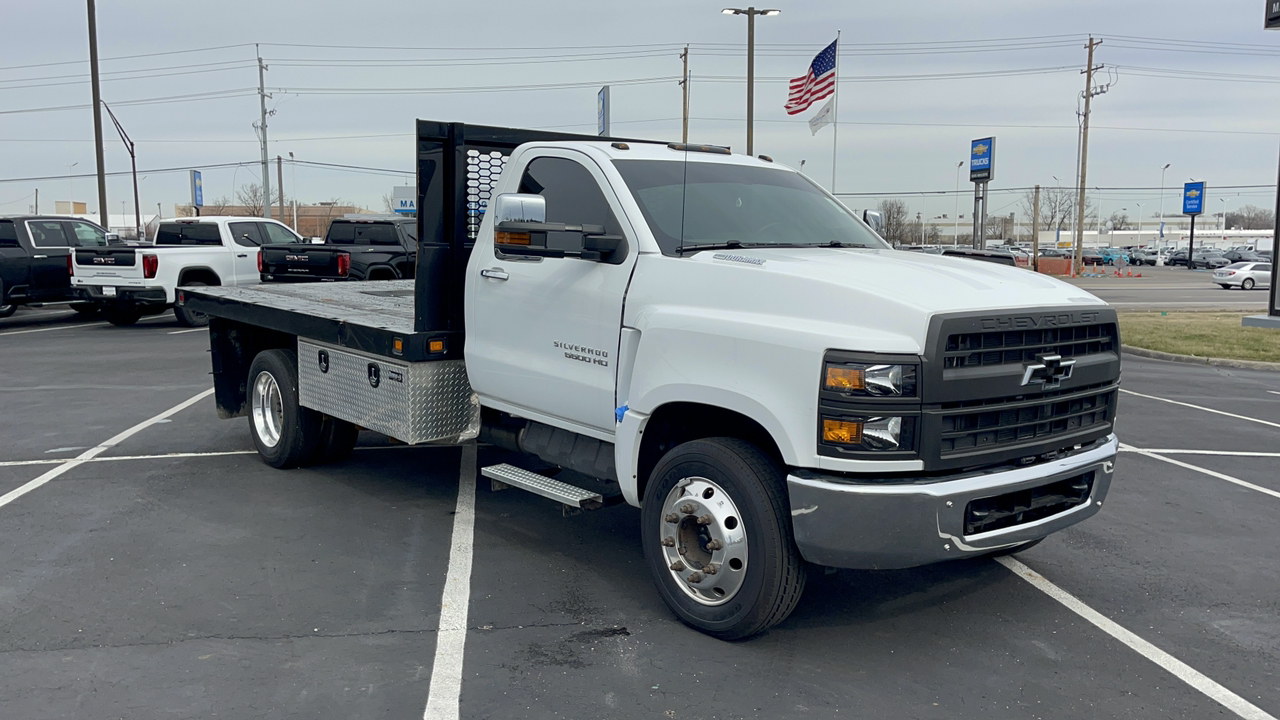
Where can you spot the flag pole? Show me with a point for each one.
(835, 116)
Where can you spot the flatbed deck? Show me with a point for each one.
(366, 316)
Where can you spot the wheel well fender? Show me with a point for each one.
(199, 274)
(233, 346)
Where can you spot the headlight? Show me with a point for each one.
(872, 433)
(869, 379)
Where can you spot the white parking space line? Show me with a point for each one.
(60, 327)
(446, 670)
(98, 450)
(1222, 453)
(179, 332)
(1184, 672)
(1274, 392)
(166, 456)
(1210, 473)
(1201, 407)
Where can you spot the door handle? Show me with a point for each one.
(242, 254)
(494, 273)
(39, 257)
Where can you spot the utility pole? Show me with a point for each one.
(37, 212)
(684, 85)
(133, 161)
(1089, 92)
(1035, 230)
(97, 114)
(280, 184)
(262, 131)
(751, 13)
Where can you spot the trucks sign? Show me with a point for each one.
(982, 160)
(197, 189)
(1273, 15)
(1193, 198)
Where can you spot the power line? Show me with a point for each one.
(128, 57)
(241, 65)
(472, 88)
(213, 95)
(158, 171)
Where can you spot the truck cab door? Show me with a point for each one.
(246, 237)
(50, 246)
(543, 333)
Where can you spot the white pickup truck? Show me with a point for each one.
(129, 282)
(709, 337)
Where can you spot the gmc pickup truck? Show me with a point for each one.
(710, 337)
(354, 248)
(35, 259)
(129, 282)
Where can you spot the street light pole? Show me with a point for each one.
(1139, 222)
(955, 231)
(97, 112)
(1162, 171)
(751, 14)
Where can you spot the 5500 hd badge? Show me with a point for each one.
(583, 353)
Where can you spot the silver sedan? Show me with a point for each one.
(1244, 275)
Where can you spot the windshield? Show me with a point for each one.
(719, 204)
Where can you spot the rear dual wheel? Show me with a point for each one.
(718, 540)
(285, 433)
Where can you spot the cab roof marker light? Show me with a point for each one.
(690, 147)
(765, 158)
(621, 146)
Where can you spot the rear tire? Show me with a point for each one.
(337, 440)
(86, 310)
(1247, 284)
(284, 433)
(123, 317)
(756, 573)
(190, 318)
(7, 310)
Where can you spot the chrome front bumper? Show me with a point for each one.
(841, 523)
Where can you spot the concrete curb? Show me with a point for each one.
(1197, 360)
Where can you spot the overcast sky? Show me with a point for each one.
(896, 134)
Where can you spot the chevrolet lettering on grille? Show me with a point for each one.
(1048, 371)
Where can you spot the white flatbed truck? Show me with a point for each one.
(711, 338)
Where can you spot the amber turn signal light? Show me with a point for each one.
(435, 346)
(511, 238)
(842, 432)
(846, 378)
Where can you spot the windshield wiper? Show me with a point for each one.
(731, 245)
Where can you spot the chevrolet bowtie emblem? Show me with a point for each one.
(979, 149)
(1048, 371)
(1193, 193)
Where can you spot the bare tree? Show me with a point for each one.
(250, 198)
(1119, 220)
(1057, 208)
(218, 206)
(388, 203)
(896, 227)
(1251, 217)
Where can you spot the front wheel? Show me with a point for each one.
(284, 433)
(718, 539)
(190, 318)
(1247, 284)
(7, 310)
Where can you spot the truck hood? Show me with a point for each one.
(873, 300)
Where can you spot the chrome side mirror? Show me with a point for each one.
(519, 207)
(874, 219)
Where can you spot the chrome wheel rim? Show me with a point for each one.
(267, 409)
(704, 541)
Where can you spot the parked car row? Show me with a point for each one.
(35, 259)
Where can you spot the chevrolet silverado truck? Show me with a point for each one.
(354, 248)
(129, 282)
(709, 337)
(35, 259)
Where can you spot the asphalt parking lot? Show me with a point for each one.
(152, 566)
(1170, 288)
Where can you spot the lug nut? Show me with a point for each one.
(704, 519)
(688, 508)
(668, 542)
(710, 569)
(682, 551)
(715, 545)
(677, 566)
(672, 518)
(695, 578)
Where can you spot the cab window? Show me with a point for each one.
(87, 235)
(8, 234)
(188, 234)
(245, 233)
(47, 233)
(277, 234)
(573, 196)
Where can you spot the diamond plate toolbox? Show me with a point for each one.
(414, 402)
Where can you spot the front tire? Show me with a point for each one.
(190, 318)
(284, 433)
(1247, 284)
(7, 310)
(718, 539)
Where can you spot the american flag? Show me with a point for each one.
(816, 84)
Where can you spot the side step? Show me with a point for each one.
(574, 498)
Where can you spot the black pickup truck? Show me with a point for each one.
(353, 249)
(35, 259)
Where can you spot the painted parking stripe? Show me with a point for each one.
(179, 332)
(1201, 407)
(1184, 672)
(99, 449)
(167, 456)
(1221, 453)
(446, 671)
(60, 327)
(1210, 473)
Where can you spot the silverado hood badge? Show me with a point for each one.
(1048, 371)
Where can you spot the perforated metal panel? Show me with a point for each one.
(483, 170)
(414, 402)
